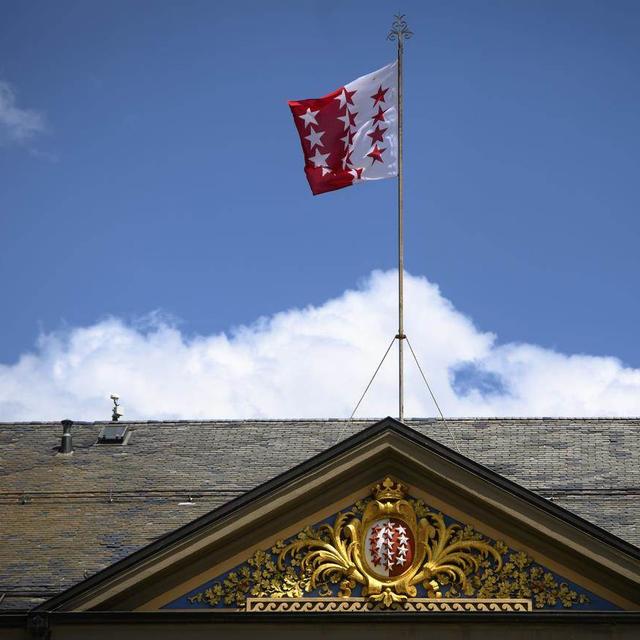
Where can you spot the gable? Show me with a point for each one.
(560, 549)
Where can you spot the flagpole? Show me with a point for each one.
(400, 31)
(400, 244)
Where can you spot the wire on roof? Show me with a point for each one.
(375, 373)
(433, 397)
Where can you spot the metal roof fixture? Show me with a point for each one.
(66, 442)
(114, 434)
(118, 411)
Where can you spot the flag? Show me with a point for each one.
(351, 134)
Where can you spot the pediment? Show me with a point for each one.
(387, 519)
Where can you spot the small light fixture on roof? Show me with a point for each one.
(114, 434)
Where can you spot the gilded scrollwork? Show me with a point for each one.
(438, 553)
(388, 550)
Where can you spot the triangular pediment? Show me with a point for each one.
(386, 519)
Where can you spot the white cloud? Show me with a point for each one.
(17, 124)
(311, 362)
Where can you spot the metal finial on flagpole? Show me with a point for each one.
(399, 33)
(399, 29)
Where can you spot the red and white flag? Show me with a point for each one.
(351, 134)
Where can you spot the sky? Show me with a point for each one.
(159, 238)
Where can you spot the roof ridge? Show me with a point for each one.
(332, 420)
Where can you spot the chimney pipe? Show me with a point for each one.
(66, 444)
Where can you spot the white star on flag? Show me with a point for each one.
(314, 138)
(342, 98)
(346, 119)
(309, 117)
(320, 159)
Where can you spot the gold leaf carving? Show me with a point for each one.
(440, 552)
(446, 561)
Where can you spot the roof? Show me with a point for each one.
(70, 516)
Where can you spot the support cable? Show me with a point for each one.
(455, 442)
(386, 353)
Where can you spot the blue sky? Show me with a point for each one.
(157, 168)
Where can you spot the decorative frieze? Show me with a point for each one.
(357, 605)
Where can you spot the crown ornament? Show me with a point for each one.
(389, 489)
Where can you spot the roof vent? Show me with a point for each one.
(66, 443)
(114, 434)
